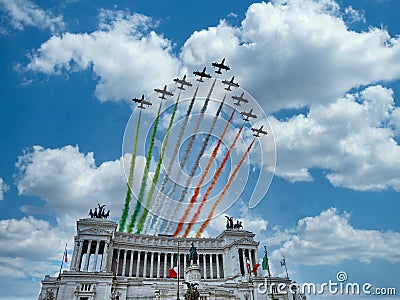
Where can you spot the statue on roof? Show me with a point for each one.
(99, 214)
(229, 222)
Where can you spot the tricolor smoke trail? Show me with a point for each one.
(160, 196)
(128, 196)
(206, 170)
(214, 207)
(145, 174)
(212, 185)
(187, 154)
(157, 171)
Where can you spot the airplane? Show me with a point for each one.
(220, 66)
(202, 74)
(141, 101)
(230, 83)
(239, 99)
(182, 82)
(248, 115)
(163, 92)
(259, 131)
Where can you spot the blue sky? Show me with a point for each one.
(325, 72)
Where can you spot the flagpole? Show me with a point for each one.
(284, 263)
(62, 261)
(269, 273)
(179, 275)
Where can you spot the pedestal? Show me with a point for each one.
(193, 274)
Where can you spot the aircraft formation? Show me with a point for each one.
(183, 84)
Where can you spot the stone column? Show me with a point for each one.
(217, 262)
(151, 264)
(131, 265)
(211, 267)
(146, 256)
(124, 264)
(104, 258)
(87, 255)
(78, 256)
(158, 264)
(165, 265)
(138, 264)
(117, 266)
(204, 266)
(96, 255)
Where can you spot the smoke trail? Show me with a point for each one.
(145, 174)
(214, 207)
(125, 210)
(187, 153)
(206, 170)
(157, 171)
(213, 183)
(160, 195)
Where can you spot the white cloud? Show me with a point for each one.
(24, 13)
(70, 182)
(329, 239)
(30, 242)
(3, 188)
(297, 53)
(124, 53)
(349, 138)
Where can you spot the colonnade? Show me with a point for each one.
(147, 264)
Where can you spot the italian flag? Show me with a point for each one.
(65, 254)
(173, 272)
(248, 264)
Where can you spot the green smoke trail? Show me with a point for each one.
(157, 172)
(145, 174)
(125, 210)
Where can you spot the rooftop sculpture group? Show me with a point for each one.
(230, 225)
(100, 214)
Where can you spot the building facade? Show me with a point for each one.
(107, 264)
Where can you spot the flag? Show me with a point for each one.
(255, 267)
(173, 271)
(248, 264)
(265, 262)
(65, 254)
(283, 262)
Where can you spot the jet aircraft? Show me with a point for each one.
(182, 82)
(163, 92)
(141, 101)
(220, 66)
(248, 114)
(230, 83)
(202, 74)
(259, 131)
(239, 99)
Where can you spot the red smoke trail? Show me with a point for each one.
(214, 207)
(203, 177)
(186, 157)
(207, 194)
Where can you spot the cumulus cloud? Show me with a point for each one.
(3, 188)
(297, 53)
(288, 54)
(69, 181)
(329, 239)
(350, 138)
(124, 53)
(30, 242)
(22, 13)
